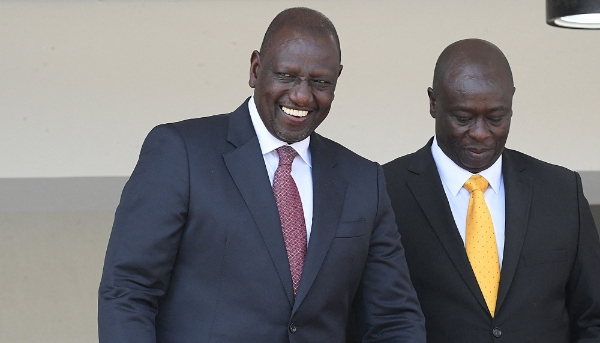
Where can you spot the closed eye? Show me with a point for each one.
(498, 118)
(462, 120)
(322, 84)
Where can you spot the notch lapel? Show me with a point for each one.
(247, 168)
(329, 190)
(427, 188)
(518, 190)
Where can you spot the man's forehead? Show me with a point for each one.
(473, 71)
(291, 41)
(287, 34)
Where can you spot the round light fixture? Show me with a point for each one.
(573, 14)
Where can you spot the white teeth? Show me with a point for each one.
(295, 113)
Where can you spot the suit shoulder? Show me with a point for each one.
(399, 162)
(203, 129)
(203, 125)
(205, 135)
(536, 166)
(396, 172)
(342, 154)
(545, 175)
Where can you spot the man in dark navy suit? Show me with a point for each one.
(204, 250)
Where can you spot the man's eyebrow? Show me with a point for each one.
(499, 108)
(469, 109)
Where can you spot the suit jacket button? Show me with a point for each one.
(497, 332)
(293, 328)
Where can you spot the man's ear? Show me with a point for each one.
(432, 103)
(254, 68)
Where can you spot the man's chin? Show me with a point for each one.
(291, 137)
(476, 166)
(476, 162)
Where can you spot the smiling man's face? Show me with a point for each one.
(294, 83)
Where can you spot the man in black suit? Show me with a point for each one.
(213, 241)
(542, 236)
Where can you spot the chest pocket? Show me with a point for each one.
(545, 257)
(349, 229)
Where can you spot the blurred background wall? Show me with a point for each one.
(82, 82)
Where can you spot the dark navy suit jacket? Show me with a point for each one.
(550, 278)
(196, 253)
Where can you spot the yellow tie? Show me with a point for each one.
(481, 242)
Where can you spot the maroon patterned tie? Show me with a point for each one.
(290, 213)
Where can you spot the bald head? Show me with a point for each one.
(466, 55)
(302, 20)
(471, 102)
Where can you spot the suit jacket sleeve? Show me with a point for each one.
(583, 290)
(387, 309)
(144, 240)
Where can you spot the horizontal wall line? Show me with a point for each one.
(60, 194)
(103, 193)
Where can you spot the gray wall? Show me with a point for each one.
(53, 235)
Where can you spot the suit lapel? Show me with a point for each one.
(427, 188)
(518, 192)
(247, 168)
(329, 190)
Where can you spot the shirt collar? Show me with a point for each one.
(455, 177)
(269, 143)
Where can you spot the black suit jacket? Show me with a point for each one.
(550, 278)
(196, 253)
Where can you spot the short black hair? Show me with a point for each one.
(303, 20)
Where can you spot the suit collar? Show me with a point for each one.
(329, 190)
(454, 177)
(518, 188)
(518, 185)
(426, 186)
(240, 128)
(247, 169)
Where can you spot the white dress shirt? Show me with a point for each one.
(454, 177)
(301, 167)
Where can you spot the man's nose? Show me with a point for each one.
(480, 130)
(301, 93)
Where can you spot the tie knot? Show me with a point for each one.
(476, 182)
(286, 155)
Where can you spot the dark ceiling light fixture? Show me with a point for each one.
(573, 14)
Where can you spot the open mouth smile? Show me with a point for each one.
(293, 112)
